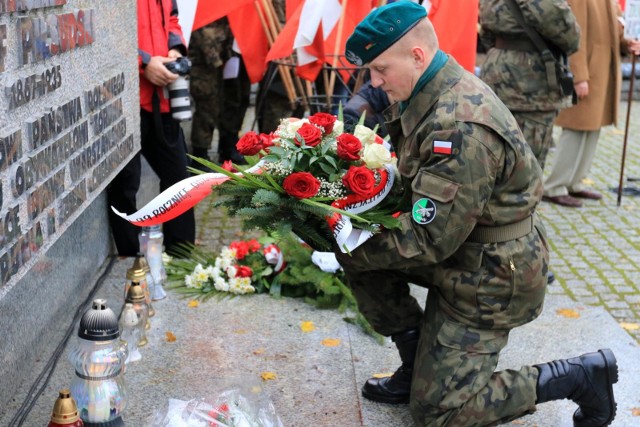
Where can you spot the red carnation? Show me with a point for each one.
(324, 120)
(228, 166)
(349, 147)
(242, 248)
(243, 271)
(301, 185)
(250, 144)
(311, 134)
(360, 180)
(253, 245)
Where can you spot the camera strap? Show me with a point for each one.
(157, 118)
(548, 58)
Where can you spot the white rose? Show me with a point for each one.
(364, 134)
(293, 126)
(338, 127)
(375, 156)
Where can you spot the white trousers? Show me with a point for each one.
(574, 155)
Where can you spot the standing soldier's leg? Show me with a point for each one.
(205, 91)
(537, 128)
(236, 94)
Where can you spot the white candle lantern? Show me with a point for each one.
(98, 358)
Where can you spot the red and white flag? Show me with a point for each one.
(442, 147)
(317, 30)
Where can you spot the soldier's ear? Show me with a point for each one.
(419, 57)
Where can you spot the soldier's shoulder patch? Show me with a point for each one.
(424, 211)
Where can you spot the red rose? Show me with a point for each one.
(349, 147)
(266, 139)
(243, 271)
(301, 185)
(311, 134)
(250, 144)
(324, 120)
(242, 248)
(360, 180)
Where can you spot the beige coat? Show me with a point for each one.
(598, 62)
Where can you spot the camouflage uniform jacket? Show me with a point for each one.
(210, 46)
(519, 77)
(490, 178)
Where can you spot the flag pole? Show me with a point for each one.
(269, 26)
(273, 18)
(334, 63)
(626, 126)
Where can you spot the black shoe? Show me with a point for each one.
(550, 277)
(587, 380)
(396, 388)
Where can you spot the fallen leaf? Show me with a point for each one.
(635, 412)
(630, 326)
(307, 326)
(240, 331)
(258, 351)
(267, 376)
(193, 303)
(588, 181)
(568, 313)
(382, 375)
(331, 342)
(170, 336)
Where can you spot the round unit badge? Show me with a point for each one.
(424, 211)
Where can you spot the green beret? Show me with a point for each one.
(381, 28)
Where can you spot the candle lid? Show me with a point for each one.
(99, 323)
(65, 410)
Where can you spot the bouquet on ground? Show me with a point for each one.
(243, 267)
(315, 180)
(277, 265)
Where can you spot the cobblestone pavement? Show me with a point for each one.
(595, 250)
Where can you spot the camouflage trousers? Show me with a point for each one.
(218, 103)
(454, 380)
(537, 127)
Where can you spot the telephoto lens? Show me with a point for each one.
(178, 91)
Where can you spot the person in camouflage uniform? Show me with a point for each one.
(515, 70)
(219, 102)
(469, 234)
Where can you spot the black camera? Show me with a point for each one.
(178, 91)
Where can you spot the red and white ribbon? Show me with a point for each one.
(273, 255)
(179, 198)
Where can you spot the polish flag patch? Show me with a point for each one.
(442, 147)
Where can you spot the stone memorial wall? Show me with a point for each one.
(68, 117)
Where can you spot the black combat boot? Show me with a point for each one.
(396, 388)
(587, 380)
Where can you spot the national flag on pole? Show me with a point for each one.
(208, 11)
(442, 147)
(456, 24)
(317, 30)
(242, 15)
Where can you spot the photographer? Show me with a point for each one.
(160, 43)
